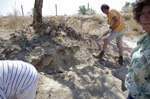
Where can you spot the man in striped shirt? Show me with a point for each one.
(18, 80)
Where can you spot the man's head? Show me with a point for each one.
(105, 8)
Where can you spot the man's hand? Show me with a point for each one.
(107, 32)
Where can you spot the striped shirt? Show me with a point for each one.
(15, 78)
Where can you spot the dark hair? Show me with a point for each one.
(104, 6)
(138, 8)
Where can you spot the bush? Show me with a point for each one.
(127, 16)
(84, 11)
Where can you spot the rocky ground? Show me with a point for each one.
(65, 62)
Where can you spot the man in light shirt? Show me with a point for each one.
(18, 80)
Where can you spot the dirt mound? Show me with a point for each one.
(63, 58)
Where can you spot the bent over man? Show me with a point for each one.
(18, 80)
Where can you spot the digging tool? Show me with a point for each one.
(107, 32)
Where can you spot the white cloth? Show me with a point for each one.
(18, 80)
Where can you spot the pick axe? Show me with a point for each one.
(107, 32)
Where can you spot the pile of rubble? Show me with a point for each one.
(63, 58)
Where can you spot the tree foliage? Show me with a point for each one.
(127, 8)
(86, 11)
(127, 4)
(82, 9)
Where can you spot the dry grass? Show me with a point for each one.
(80, 23)
(56, 19)
(77, 22)
(127, 9)
(128, 33)
(1, 22)
(85, 23)
(97, 18)
(127, 16)
(133, 28)
(15, 22)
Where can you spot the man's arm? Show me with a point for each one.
(114, 23)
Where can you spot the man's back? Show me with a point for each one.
(16, 77)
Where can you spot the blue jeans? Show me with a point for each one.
(130, 97)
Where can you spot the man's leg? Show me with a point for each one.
(106, 42)
(119, 45)
(105, 45)
(111, 36)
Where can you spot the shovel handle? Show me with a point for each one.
(99, 39)
(107, 32)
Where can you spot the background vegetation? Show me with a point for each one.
(15, 21)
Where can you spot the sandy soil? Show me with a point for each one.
(65, 62)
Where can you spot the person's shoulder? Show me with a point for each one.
(17, 62)
(142, 38)
(114, 10)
